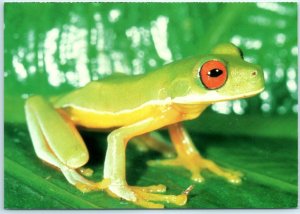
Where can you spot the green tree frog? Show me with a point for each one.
(132, 106)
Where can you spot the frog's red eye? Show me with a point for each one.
(213, 74)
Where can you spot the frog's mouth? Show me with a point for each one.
(212, 97)
(246, 95)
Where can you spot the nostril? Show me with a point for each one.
(254, 73)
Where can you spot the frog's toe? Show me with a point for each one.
(179, 200)
(234, 177)
(196, 176)
(166, 162)
(83, 187)
(230, 175)
(88, 172)
(81, 183)
(147, 197)
(147, 204)
(92, 186)
(154, 188)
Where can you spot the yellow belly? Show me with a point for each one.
(106, 120)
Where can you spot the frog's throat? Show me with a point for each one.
(212, 97)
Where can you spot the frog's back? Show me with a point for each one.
(121, 92)
(112, 94)
(111, 102)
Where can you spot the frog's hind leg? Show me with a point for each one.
(153, 141)
(189, 158)
(57, 142)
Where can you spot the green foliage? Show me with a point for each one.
(52, 48)
(269, 167)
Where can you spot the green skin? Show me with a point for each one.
(133, 106)
(179, 79)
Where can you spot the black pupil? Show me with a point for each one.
(215, 72)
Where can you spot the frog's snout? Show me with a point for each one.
(256, 75)
(255, 71)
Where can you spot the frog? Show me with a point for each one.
(132, 106)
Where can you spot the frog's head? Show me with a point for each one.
(222, 75)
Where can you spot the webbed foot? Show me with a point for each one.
(196, 164)
(81, 183)
(144, 196)
(92, 186)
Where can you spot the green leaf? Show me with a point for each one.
(263, 161)
(53, 48)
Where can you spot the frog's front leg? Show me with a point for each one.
(189, 158)
(57, 142)
(114, 167)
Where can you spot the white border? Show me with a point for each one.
(201, 211)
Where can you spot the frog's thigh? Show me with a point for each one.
(55, 140)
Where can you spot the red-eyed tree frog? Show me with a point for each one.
(132, 106)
